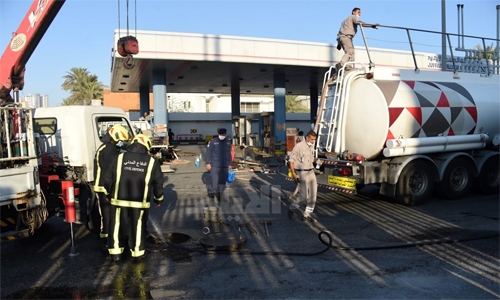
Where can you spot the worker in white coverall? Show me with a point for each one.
(301, 164)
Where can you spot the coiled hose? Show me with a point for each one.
(34, 218)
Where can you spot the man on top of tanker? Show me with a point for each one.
(347, 31)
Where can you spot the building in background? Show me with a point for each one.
(198, 116)
(35, 100)
(195, 103)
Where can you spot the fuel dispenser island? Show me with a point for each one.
(252, 130)
(262, 130)
(239, 130)
(269, 139)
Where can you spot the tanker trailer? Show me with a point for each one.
(409, 132)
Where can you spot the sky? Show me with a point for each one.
(81, 35)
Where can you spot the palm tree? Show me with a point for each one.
(83, 87)
(489, 51)
(294, 105)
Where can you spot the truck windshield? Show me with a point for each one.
(104, 123)
(45, 125)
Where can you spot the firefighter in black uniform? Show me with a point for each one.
(128, 183)
(112, 141)
(219, 162)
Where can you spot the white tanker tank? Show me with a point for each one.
(374, 123)
(400, 112)
(413, 114)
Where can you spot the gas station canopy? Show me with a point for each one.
(202, 63)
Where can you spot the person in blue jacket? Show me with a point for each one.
(218, 159)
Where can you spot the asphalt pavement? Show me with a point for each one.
(361, 247)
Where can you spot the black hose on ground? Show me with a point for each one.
(330, 239)
(413, 244)
(271, 253)
(407, 245)
(329, 246)
(284, 195)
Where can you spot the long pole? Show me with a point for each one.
(462, 18)
(73, 249)
(498, 39)
(443, 37)
(498, 28)
(458, 10)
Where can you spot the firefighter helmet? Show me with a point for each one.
(143, 140)
(118, 133)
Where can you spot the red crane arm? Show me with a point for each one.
(23, 43)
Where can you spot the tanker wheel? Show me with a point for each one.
(457, 179)
(488, 180)
(415, 183)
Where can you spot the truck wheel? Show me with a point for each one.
(93, 223)
(415, 183)
(457, 180)
(488, 180)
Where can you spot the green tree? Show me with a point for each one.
(489, 51)
(82, 86)
(295, 105)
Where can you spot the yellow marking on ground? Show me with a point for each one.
(3, 224)
(11, 220)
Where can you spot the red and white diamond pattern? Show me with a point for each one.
(426, 109)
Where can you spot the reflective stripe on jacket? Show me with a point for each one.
(130, 179)
(103, 159)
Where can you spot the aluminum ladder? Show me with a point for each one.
(333, 108)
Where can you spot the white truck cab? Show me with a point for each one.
(39, 149)
(74, 132)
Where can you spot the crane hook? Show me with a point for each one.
(129, 62)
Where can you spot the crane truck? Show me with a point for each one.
(45, 152)
(411, 132)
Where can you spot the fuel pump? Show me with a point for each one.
(269, 139)
(241, 129)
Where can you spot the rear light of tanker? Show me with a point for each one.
(345, 171)
(369, 75)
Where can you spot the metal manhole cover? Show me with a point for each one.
(222, 241)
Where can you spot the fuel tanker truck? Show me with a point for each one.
(411, 132)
